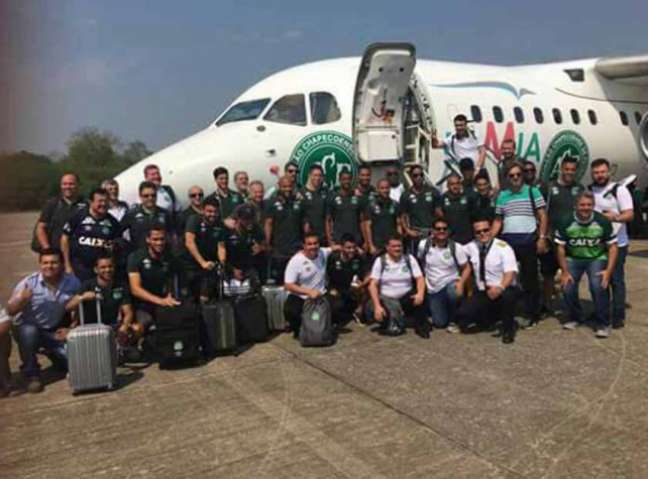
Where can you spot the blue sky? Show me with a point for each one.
(160, 70)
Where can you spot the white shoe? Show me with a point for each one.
(452, 328)
(602, 332)
(570, 325)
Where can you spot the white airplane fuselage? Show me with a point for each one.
(259, 145)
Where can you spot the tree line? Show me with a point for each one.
(28, 179)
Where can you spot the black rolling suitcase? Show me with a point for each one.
(251, 318)
(176, 335)
(219, 325)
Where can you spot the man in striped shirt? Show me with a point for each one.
(521, 221)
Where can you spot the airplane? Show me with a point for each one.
(385, 106)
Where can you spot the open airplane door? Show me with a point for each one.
(380, 93)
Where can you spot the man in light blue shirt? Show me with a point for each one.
(38, 306)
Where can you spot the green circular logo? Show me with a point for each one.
(331, 150)
(565, 143)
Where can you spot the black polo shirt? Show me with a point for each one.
(560, 201)
(340, 272)
(228, 203)
(138, 222)
(287, 225)
(420, 206)
(157, 274)
(112, 298)
(345, 211)
(383, 214)
(484, 206)
(55, 214)
(208, 236)
(458, 210)
(314, 205)
(183, 217)
(90, 236)
(239, 244)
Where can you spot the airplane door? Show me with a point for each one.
(379, 96)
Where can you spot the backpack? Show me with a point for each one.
(317, 325)
(453, 250)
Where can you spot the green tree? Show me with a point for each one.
(26, 180)
(135, 151)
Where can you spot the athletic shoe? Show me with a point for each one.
(603, 332)
(453, 329)
(34, 385)
(571, 325)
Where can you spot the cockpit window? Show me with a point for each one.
(324, 108)
(245, 110)
(290, 109)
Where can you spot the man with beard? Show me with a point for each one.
(381, 220)
(614, 201)
(343, 211)
(418, 205)
(463, 143)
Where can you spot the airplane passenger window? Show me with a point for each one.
(575, 116)
(290, 109)
(537, 113)
(637, 117)
(519, 114)
(624, 117)
(497, 114)
(245, 110)
(324, 108)
(476, 114)
(592, 117)
(557, 116)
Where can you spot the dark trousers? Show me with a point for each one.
(481, 310)
(342, 307)
(293, 308)
(278, 268)
(528, 259)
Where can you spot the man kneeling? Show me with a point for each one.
(397, 286)
(494, 265)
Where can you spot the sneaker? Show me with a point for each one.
(34, 385)
(570, 325)
(602, 332)
(453, 329)
(423, 330)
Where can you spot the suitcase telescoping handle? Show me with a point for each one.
(97, 306)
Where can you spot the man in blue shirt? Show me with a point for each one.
(38, 306)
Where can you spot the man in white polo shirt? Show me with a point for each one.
(446, 270)
(305, 277)
(495, 267)
(397, 279)
(614, 201)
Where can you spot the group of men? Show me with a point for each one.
(388, 254)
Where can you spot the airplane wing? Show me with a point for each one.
(631, 70)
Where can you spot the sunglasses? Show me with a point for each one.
(392, 173)
(441, 230)
(482, 232)
(150, 195)
(515, 175)
(196, 195)
(417, 175)
(530, 170)
(292, 170)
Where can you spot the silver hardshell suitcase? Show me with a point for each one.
(92, 355)
(275, 297)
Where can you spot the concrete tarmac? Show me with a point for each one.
(555, 404)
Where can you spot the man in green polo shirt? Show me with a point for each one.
(587, 244)
(559, 195)
(343, 211)
(381, 219)
(417, 204)
(203, 246)
(151, 273)
(227, 198)
(456, 207)
(313, 198)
